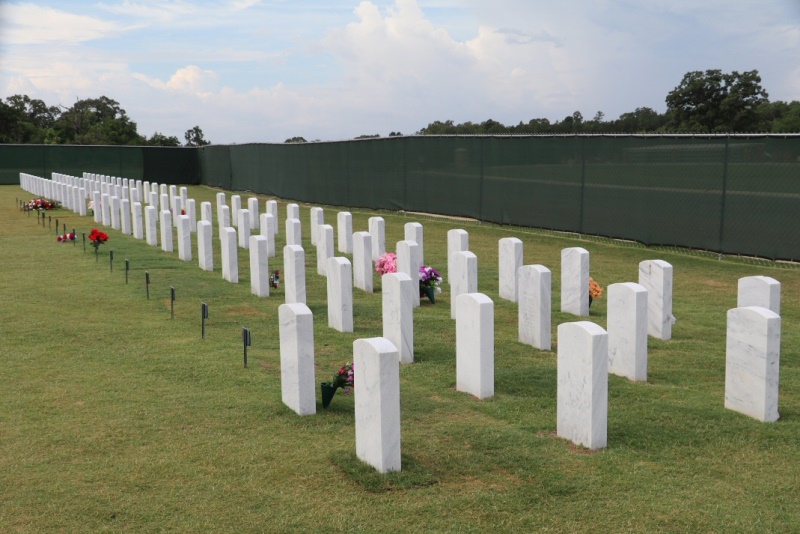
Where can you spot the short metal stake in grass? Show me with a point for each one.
(111, 259)
(74, 241)
(147, 283)
(49, 222)
(56, 226)
(127, 268)
(65, 228)
(203, 317)
(246, 341)
(171, 302)
(84, 242)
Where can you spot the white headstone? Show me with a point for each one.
(409, 262)
(221, 200)
(464, 278)
(165, 203)
(656, 277)
(298, 384)
(340, 294)
(534, 310)
(272, 209)
(230, 255)
(173, 194)
(177, 209)
(294, 274)
(377, 229)
(344, 227)
(151, 228)
(166, 230)
(138, 223)
(475, 345)
(184, 237)
(457, 241)
(398, 313)
(267, 224)
(575, 281)
(413, 232)
(510, 251)
(244, 229)
(324, 248)
(205, 252)
(125, 216)
(627, 330)
(205, 212)
(377, 403)
(317, 219)
(259, 266)
(760, 291)
(362, 261)
(223, 219)
(293, 232)
(292, 211)
(82, 202)
(752, 362)
(97, 201)
(115, 213)
(191, 210)
(236, 207)
(252, 207)
(582, 388)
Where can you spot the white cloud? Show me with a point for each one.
(26, 24)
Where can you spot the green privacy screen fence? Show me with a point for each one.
(731, 194)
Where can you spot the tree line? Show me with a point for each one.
(704, 102)
(92, 121)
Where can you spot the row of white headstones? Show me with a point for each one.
(586, 352)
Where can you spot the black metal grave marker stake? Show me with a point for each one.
(203, 317)
(147, 283)
(246, 341)
(74, 241)
(111, 259)
(127, 268)
(49, 222)
(84, 242)
(171, 302)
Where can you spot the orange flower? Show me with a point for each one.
(595, 291)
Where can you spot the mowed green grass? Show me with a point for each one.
(115, 417)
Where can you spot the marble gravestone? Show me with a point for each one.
(184, 238)
(510, 260)
(259, 265)
(97, 206)
(230, 255)
(575, 281)
(317, 218)
(151, 228)
(125, 216)
(294, 274)
(377, 230)
(377, 403)
(191, 211)
(409, 262)
(293, 232)
(324, 248)
(414, 232)
(206, 213)
(464, 278)
(267, 230)
(760, 291)
(340, 294)
(475, 345)
(627, 330)
(298, 384)
(534, 306)
(457, 241)
(398, 313)
(656, 277)
(292, 211)
(166, 230)
(236, 207)
(115, 213)
(252, 208)
(244, 229)
(582, 384)
(138, 223)
(272, 209)
(205, 252)
(177, 210)
(344, 228)
(362, 261)
(752, 362)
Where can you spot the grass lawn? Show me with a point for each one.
(113, 416)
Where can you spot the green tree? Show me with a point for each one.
(296, 140)
(368, 136)
(159, 139)
(713, 101)
(97, 121)
(641, 120)
(194, 137)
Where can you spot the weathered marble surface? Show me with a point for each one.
(97, 199)
(752, 362)
(252, 207)
(377, 229)
(377, 403)
(294, 274)
(510, 260)
(344, 230)
(656, 277)
(457, 241)
(259, 266)
(272, 209)
(340, 294)
(582, 384)
(166, 230)
(191, 211)
(206, 213)
(223, 219)
(409, 262)
(298, 383)
(575, 281)
(534, 308)
(324, 248)
(465, 277)
(115, 213)
(125, 216)
(317, 218)
(230, 255)
(205, 252)
(184, 238)
(294, 235)
(292, 211)
(236, 207)
(762, 291)
(138, 221)
(627, 330)
(414, 232)
(475, 345)
(398, 313)
(267, 224)
(244, 229)
(362, 261)
(151, 225)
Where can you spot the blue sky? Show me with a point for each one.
(266, 70)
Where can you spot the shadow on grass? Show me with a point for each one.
(412, 475)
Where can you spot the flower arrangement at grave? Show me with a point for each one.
(63, 238)
(429, 280)
(343, 378)
(97, 238)
(595, 290)
(42, 204)
(386, 263)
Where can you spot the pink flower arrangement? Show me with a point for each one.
(387, 263)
